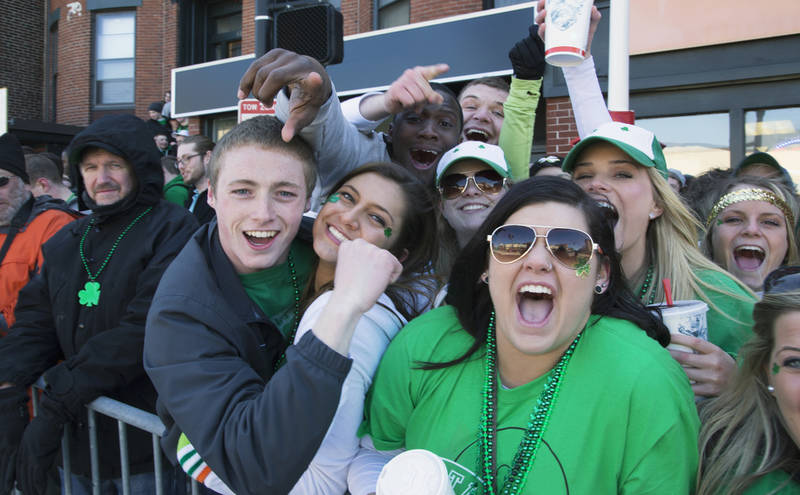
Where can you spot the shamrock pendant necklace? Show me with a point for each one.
(539, 419)
(90, 294)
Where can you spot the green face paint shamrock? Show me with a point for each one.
(582, 270)
(387, 232)
(719, 221)
(333, 198)
(90, 295)
(775, 368)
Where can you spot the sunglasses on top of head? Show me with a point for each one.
(487, 181)
(572, 248)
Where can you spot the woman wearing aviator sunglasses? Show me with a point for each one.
(471, 178)
(750, 440)
(544, 374)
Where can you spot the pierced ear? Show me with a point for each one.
(403, 256)
(656, 212)
(603, 273)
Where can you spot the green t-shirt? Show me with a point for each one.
(272, 288)
(732, 324)
(176, 192)
(624, 421)
(769, 482)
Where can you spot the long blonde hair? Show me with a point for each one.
(743, 436)
(672, 244)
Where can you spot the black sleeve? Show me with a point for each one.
(112, 359)
(257, 437)
(32, 345)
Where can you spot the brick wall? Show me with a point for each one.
(426, 10)
(21, 57)
(156, 28)
(248, 27)
(156, 55)
(73, 93)
(357, 16)
(561, 128)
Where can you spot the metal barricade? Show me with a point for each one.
(126, 416)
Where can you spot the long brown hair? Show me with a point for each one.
(416, 245)
(743, 436)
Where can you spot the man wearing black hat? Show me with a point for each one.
(25, 224)
(157, 123)
(80, 321)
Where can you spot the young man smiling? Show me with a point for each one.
(217, 332)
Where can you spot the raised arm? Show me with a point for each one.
(587, 100)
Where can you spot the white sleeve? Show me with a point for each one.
(587, 100)
(338, 146)
(366, 467)
(352, 112)
(327, 473)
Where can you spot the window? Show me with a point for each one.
(393, 13)
(224, 30)
(777, 132)
(114, 57)
(506, 3)
(51, 69)
(694, 143)
(220, 125)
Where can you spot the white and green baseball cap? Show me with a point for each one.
(478, 150)
(637, 142)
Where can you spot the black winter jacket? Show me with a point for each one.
(101, 346)
(210, 352)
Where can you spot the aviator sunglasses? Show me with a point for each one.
(572, 248)
(487, 181)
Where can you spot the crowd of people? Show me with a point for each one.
(308, 298)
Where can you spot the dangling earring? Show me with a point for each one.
(485, 277)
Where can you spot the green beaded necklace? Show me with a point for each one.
(540, 417)
(296, 287)
(648, 279)
(90, 294)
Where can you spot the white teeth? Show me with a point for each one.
(535, 289)
(338, 235)
(474, 207)
(469, 132)
(606, 204)
(261, 234)
(750, 248)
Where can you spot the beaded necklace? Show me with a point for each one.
(296, 288)
(90, 294)
(539, 419)
(648, 279)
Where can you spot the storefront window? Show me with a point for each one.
(777, 132)
(221, 125)
(694, 143)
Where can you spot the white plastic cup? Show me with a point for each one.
(567, 31)
(417, 471)
(685, 318)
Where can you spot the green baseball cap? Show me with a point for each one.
(637, 142)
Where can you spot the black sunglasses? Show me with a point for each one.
(487, 181)
(572, 248)
(4, 181)
(783, 279)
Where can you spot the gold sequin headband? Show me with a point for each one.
(740, 195)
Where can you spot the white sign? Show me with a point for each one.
(251, 107)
